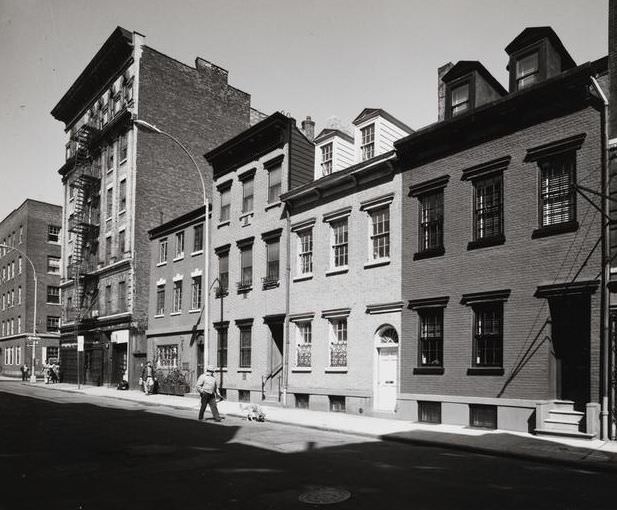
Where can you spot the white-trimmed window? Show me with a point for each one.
(305, 251)
(245, 346)
(12, 297)
(167, 356)
(225, 204)
(179, 244)
(246, 267)
(368, 142)
(460, 99)
(326, 159)
(527, 70)
(18, 355)
(304, 339)
(53, 234)
(19, 295)
(247, 194)
(274, 183)
(53, 265)
(198, 238)
(177, 303)
(19, 325)
(160, 299)
(338, 342)
(272, 260)
(53, 294)
(53, 324)
(19, 265)
(340, 243)
(196, 293)
(21, 234)
(380, 233)
(162, 251)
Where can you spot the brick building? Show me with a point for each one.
(250, 232)
(120, 182)
(32, 231)
(500, 276)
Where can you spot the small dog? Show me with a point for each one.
(253, 412)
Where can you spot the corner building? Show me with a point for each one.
(500, 272)
(120, 182)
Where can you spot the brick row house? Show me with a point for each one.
(120, 182)
(32, 232)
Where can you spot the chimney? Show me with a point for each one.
(308, 128)
(441, 90)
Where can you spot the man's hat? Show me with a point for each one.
(210, 368)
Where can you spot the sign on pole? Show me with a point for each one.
(80, 343)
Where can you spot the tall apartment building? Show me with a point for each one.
(31, 233)
(501, 225)
(120, 182)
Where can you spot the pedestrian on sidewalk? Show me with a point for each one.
(147, 376)
(24, 372)
(208, 389)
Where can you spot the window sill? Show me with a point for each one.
(551, 230)
(338, 270)
(48, 303)
(428, 371)
(336, 370)
(485, 371)
(273, 205)
(245, 370)
(109, 170)
(161, 264)
(377, 263)
(303, 277)
(426, 254)
(301, 369)
(108, 220)
(222, 224)
(159, 316)
(123, 161)
(175, 313)
(178, 258)
(194, 310)
(272, 285)
(198, 252)
(244, 290)
(486, 242)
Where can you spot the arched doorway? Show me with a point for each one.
(386, 388)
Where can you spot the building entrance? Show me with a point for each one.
(387, 369)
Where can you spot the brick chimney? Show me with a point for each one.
(441, 90)
(308, 128)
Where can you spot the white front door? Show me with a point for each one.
(387, 371)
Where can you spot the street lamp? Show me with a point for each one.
(153, 129)
(36, 289)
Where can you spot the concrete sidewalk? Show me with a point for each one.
(584, 454)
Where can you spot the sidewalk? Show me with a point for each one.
(584, 454)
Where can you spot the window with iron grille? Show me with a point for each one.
(272, 260)
(304, 338)
(488, 335)
(274, 183)
(431, 337)
(431, 221)
(460, 99)
(246, 266)
(305, 251)
(483, 416)
(225, 204)
(557, 193)
(224, 272)
(337, 403)
(245, 347)
(368, 142)
(196, 293)
(53, 235)
(527, 70)
(177, 303)
(179, 244)
(221, 347)
(162, 250)
(488, 207)
(429, 412)
(160, 300)
(167, 356)
(247, 195)
(326, 159)
(198, 238)
(53, 294)
(380, 233)
(338, 342)
(340, 242)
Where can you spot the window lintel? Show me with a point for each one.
(335, 313)
(222, 250)
(485, 169)
(571, 143)
(435, 302)
(303, 225)
(377, 202)
(339, 214)
(428, 186)
(493, 296)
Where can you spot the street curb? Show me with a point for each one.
(591, 466)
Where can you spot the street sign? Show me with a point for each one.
(80, 344)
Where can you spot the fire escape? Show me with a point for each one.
(84, 225)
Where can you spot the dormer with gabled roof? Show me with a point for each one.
(334, 151)
(468, 86)
(375, 133)
(536, 54)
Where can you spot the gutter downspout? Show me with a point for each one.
(287, 275)
(604, 296)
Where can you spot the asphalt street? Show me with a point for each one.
(70, 451)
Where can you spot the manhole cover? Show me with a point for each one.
(324, 496)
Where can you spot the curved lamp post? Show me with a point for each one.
(36, 289)
(153, 129)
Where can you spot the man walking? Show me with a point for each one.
(206, 386)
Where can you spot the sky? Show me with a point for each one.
(323, 58)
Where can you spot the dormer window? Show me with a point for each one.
(326, 159)
(368, 142)
(460, 99)
(527, 70)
